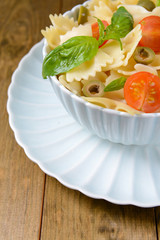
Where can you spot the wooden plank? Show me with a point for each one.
(21, 181)
(69, 214)
(21, 198)
(157, 211)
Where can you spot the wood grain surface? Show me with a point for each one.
(34, 206)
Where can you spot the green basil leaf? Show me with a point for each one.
(101, 32)
(69, 55)
(121, 24)
(158, 3)
(116, 84)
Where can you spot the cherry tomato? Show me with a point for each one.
(95, 30)
(150, 33)
(142, 92)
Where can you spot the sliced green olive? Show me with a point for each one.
(83, 14)
(93, 88)
(144, 55)
(147, 4)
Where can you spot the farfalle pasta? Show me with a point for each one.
(100, 72)
(111, 104)
(139, 13)
(60, 25)
(102, 11)
(90, 68)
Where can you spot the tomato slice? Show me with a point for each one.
(95, 30)
(150, 33)
(142, 92)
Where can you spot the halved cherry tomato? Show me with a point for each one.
(95, 30)
(150, 33)
(142, 92)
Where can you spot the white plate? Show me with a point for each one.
(63, 149)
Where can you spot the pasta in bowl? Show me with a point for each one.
(89, 70)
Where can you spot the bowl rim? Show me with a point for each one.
(80, 99)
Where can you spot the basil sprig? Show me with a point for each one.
(101, 31)
(69, 55)
(121, 24)
(116, 84)
(80, 49)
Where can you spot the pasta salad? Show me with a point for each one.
(109, 55)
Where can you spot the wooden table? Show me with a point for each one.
(35, 206)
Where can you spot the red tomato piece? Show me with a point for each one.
(142, 92)
(150, 33)
(95, 30)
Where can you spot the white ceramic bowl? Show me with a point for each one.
(118, 127)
